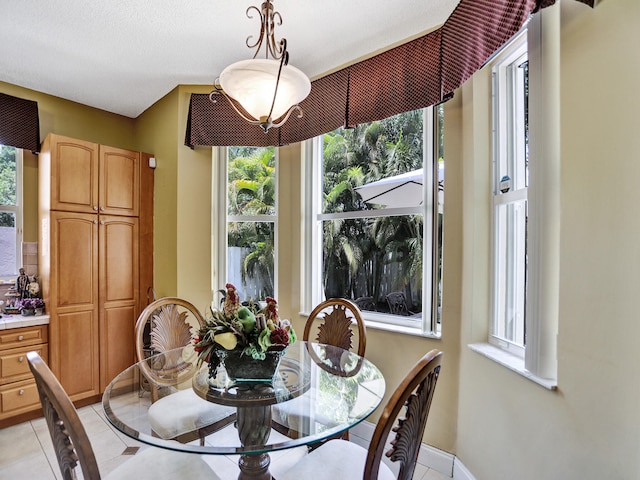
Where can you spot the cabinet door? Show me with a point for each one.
(74, 174)
(119, 181)
(73, 304)
(118, 294)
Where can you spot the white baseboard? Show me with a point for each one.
(460, 472)
(428, 456)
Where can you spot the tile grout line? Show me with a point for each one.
(51, 467)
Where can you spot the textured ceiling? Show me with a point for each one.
(124, 55)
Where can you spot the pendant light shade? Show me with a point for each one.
(267, 89)
(252, 83)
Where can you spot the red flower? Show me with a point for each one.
(279, 337)
(196, 341)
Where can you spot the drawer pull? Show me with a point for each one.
(21, 359)
(21, 392)
(20, 338)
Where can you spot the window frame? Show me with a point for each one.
(18, 211)
(427, 324)
(509, 158)
(540, 362)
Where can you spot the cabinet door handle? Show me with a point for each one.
(102, 209)
(95, 208)
(21, 392)
(101, 222)
(21, 359)
(20, 338)
(95, 222)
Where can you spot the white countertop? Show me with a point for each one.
(17, 321)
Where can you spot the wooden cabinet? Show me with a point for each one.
(70, 289)
(89, 259)
(86, 177)
(18, 393)
(119, 182)
(118, 267)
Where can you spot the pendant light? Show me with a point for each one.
(264, 91)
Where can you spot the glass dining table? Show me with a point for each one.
(318, 392)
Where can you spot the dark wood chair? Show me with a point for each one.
(397, 302)
(366, 303)
(336, 322)
(349, 461)
(73, 449)
(166, 324)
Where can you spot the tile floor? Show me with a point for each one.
(26, 451)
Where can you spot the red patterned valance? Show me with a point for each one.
(415, 75)
(19, 123)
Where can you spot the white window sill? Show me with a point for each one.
(373, 321)
(406, 330)
(512, 362)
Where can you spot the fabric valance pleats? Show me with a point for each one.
(417, 74)
(19, 123)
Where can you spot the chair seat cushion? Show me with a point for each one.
(294, 413)
(336, 459)
(194, 413)
(158, 463)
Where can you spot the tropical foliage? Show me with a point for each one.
(7, 183)
(358, 252)
(252, 192)
(362, 257)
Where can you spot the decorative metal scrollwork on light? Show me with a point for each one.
(264, 92)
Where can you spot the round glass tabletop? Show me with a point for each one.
(318, 392)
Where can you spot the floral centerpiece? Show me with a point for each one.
(242, 336)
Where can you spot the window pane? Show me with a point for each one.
(510, 254)
(252, 181)
(370, 259)
(250, 259)
(371, 152)
(372, 217)
(8, 248)
(8, 176)
(251, 200)
(510, 119)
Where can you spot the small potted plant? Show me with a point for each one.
(38, 304)
(27, 307)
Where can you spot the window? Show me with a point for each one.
(10, 210)
(511, 181)
(248, 192)
(375, 205)
(526, 203)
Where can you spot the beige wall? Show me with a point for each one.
(182, 200)
(501, 425)
(508, 427)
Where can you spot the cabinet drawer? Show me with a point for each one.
(19, 337)
(14, 365)
(18, 397)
